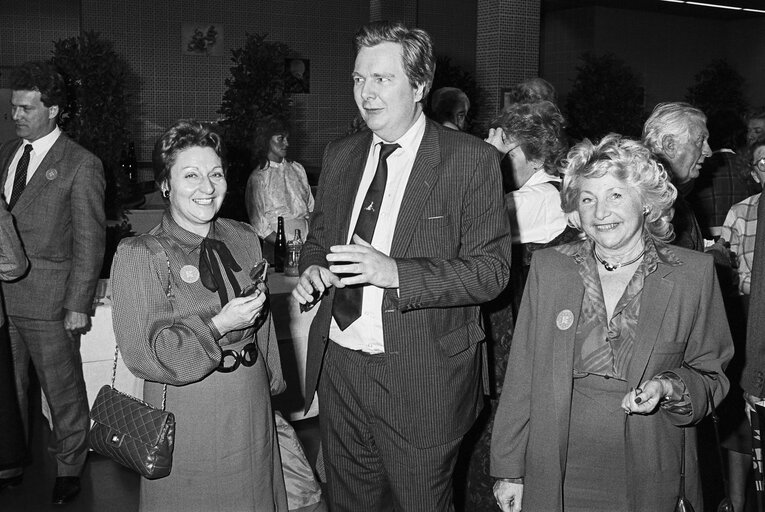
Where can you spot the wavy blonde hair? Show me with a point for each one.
(632, 163)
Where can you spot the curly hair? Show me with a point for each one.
(539, 128)
(43, 77)
(261, 141)
(533, 90)
(632, 163)
(184, 134)
(417, 49)
(445, 101)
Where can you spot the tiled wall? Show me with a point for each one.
(507, 48)
(174, 85)
(28, 28)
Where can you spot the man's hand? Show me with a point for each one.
(76, 323)
(366, 264)
(313, 283)
(751, 400)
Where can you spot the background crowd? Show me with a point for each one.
(584, 287)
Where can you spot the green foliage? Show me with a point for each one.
(718, 87)
(97, 112)
(451, 75)
(606, 97)
(255, 91)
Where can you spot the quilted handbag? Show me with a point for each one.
(128, 430)
(131, 432)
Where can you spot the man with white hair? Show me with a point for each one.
(677, 134)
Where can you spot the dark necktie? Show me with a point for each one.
(347, 305)
(20, 180)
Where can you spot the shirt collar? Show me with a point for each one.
(43, 144)
(188, 241)
(540, 176)
(410, 141)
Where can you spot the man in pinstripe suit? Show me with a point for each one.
(397, 338)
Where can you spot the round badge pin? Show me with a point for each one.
(190, 274)
(51, 174)
(565, 319)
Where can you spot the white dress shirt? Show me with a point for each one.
(40, 148)
(536, 215)
(366, 332)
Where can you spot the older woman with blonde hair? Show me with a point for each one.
(638, 327)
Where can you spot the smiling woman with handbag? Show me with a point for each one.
(194, 322)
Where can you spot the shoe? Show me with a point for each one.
(11, 482)
(66, 488)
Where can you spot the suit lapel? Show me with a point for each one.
(348, 186)
(5, 160)
(421, 180)
(46, 172)
(567, 309)
(653, 306)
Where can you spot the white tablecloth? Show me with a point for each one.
(97, 350)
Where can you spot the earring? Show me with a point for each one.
(166, 194)
(646, 210)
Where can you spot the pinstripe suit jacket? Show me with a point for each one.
(452, 248)
(61, 222)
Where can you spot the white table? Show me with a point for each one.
(97, 350)
(292, 332)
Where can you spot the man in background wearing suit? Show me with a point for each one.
(55, 192)
(408, 237)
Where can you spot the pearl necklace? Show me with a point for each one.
(609, 267)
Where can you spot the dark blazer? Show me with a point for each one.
(682, 319)
(452, 248)
(753, 377)
(61, 222)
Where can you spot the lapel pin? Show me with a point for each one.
(190, 274)
(565, 319)
(51, 174)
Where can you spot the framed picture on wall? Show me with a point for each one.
(202, 39)
(297, 75)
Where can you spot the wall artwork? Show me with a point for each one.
(202, 39)
(297, 76)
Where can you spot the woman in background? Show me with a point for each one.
(277, 187)
(617, 323)
(182, 318)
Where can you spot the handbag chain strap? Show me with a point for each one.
(168, 293)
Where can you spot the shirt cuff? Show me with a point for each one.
(214, 330)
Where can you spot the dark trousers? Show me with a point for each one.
(57, 362)
(11, 431)
(370, 465)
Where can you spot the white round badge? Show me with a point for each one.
(190, 274)
(51, 174)
(565, 319)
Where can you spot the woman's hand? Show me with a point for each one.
(509, 495)
(646, 398)
(497, 139)
(240, 312)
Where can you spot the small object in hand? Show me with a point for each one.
(308, 306)
(257, 276)
(638, 400)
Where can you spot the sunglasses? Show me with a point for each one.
(257, 276)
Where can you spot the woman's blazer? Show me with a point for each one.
(682, 320)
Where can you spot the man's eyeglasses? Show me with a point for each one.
(759, 164)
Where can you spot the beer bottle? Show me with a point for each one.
(280, 247)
